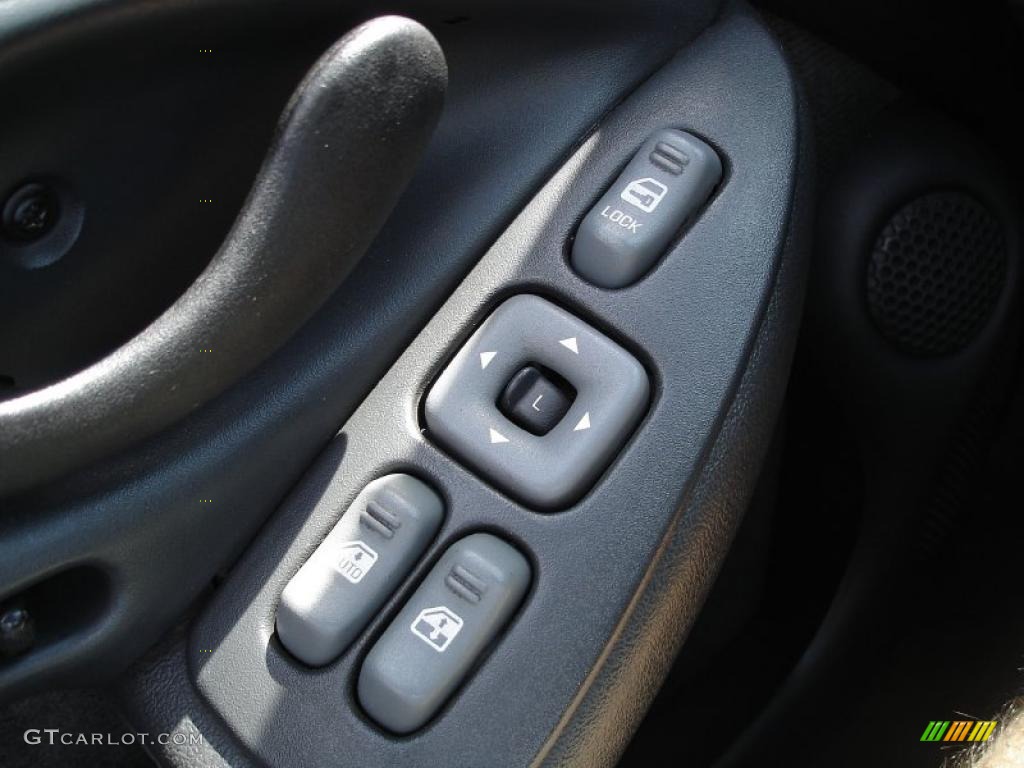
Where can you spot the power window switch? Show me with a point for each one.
(437, 637)
(357, 567)
(536, 400)
(658, 194)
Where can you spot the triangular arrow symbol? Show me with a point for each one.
(570, 344)
(497, 437)
(485, 358)
(583, 424)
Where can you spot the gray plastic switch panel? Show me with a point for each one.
(658, 193)
(554, 469)
(357, 567)
(434, 641)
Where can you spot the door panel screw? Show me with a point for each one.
(17, 631)
(30, 212)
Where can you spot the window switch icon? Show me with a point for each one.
(355, 560)
(437, 627)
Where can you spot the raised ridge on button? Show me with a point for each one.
(465, 584)
(669, 158)
(380, 518)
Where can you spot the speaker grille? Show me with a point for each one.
(935, 273)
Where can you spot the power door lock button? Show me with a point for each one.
(658, 193)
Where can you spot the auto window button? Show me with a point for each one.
(357, 567)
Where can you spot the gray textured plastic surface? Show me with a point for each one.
(449, 621)
(620, 575)
(356, 568)
(655, 196)
(137, 516)
(551, 470)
